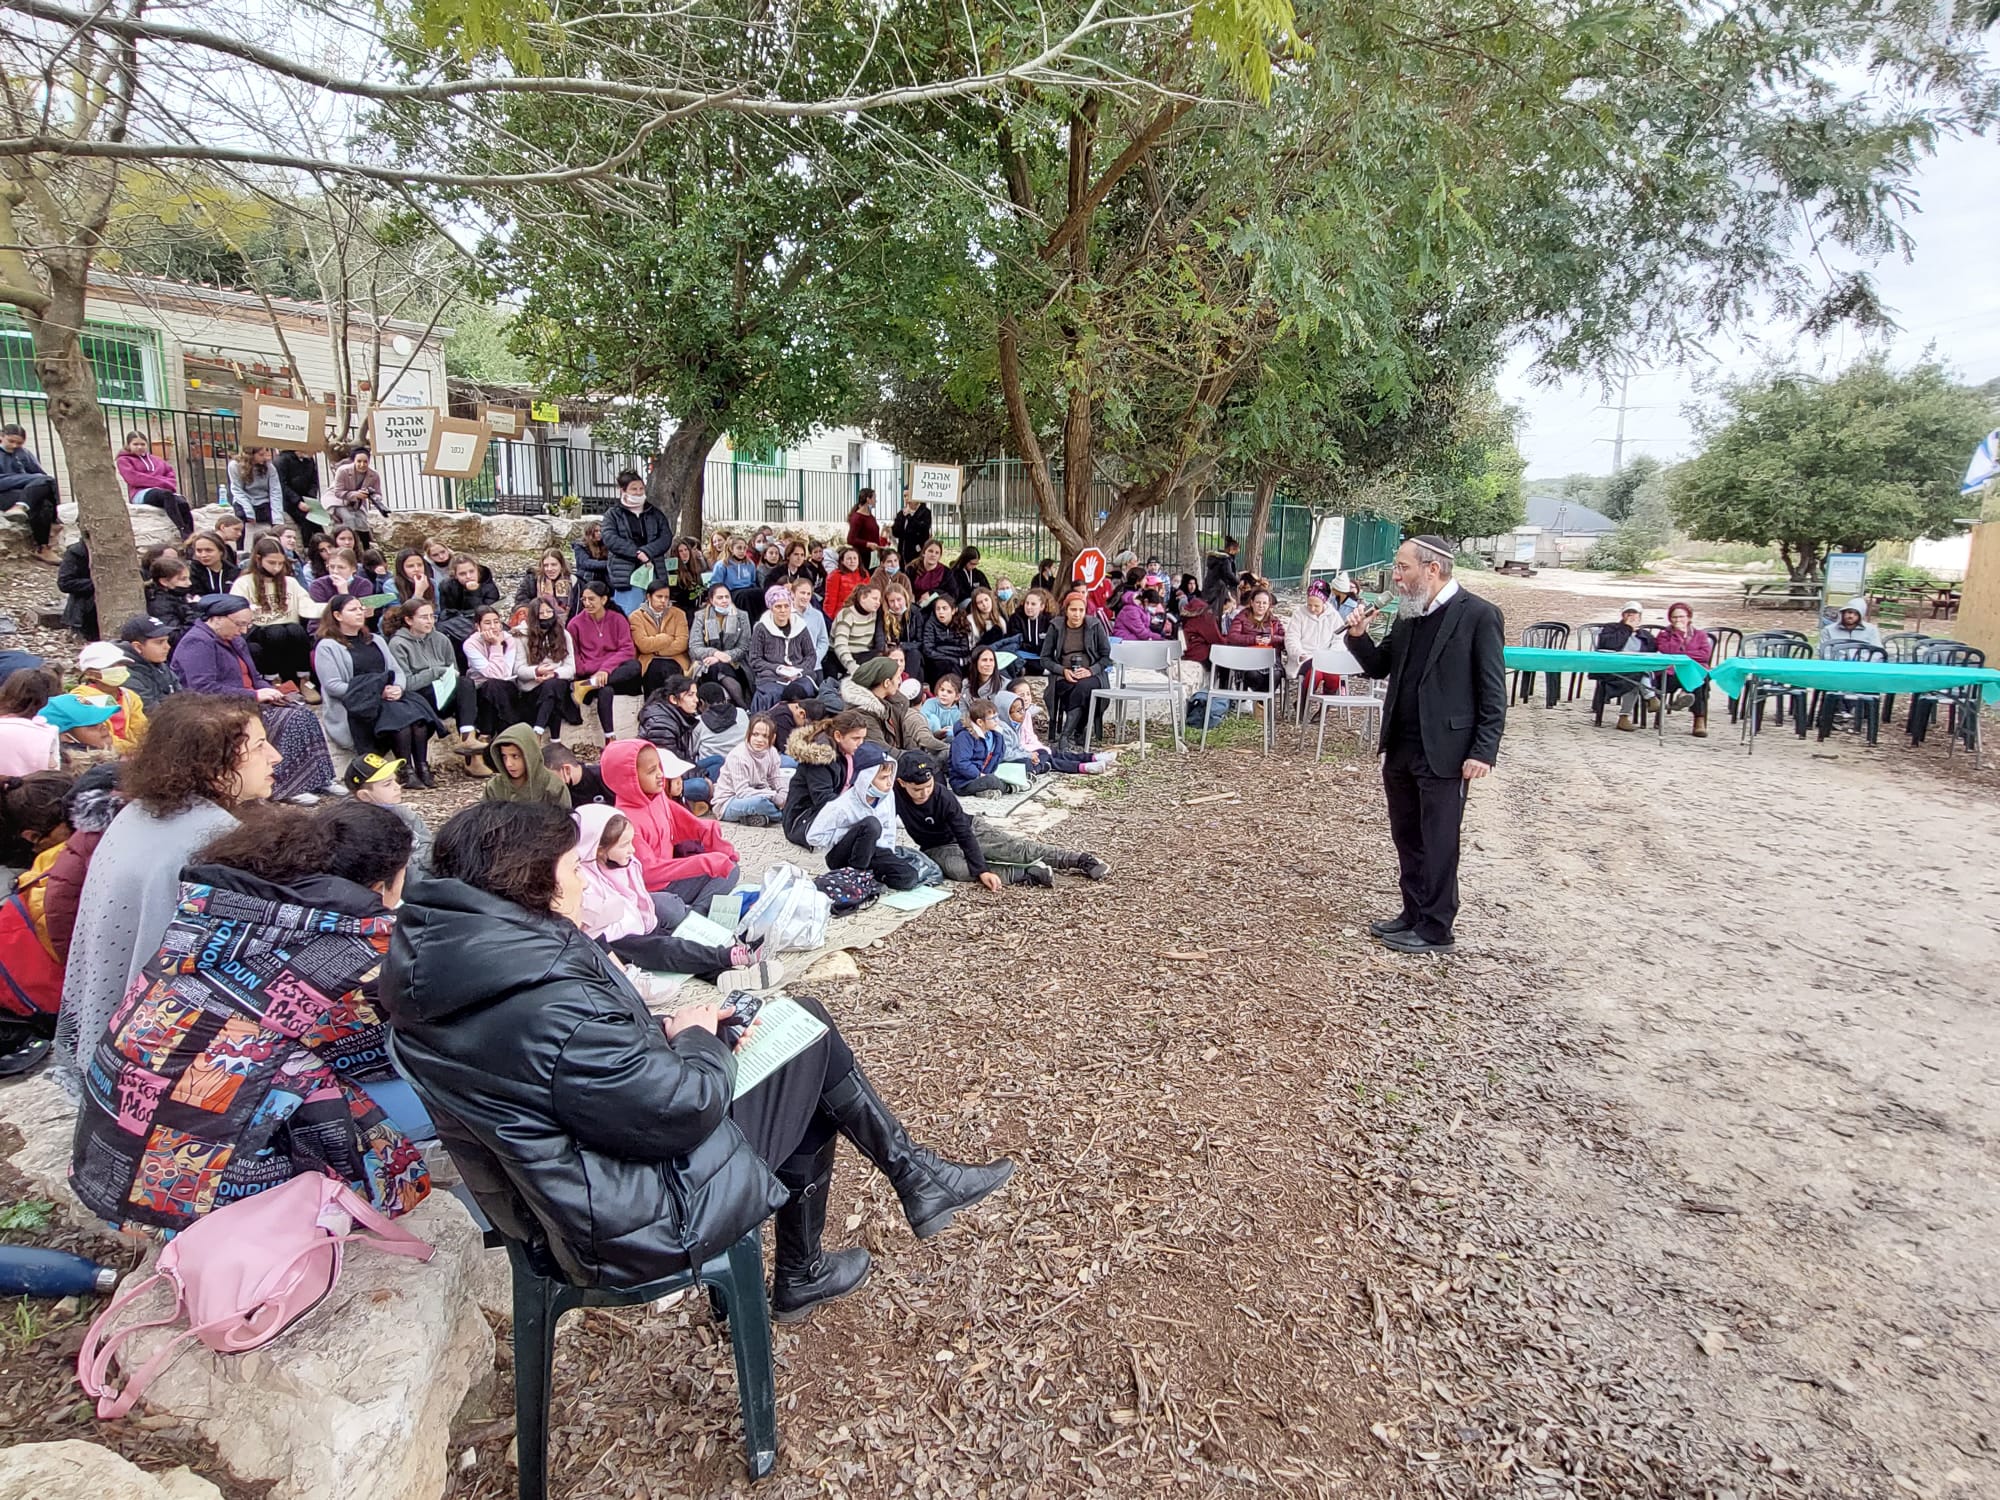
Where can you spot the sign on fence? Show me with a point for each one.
(281, 422)
(402, 429)
(1327, 539)
(503, 421)
(544, 411)
(937, 484)
(457, 450)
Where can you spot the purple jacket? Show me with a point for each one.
(601, 645)
(206, 663)
(324, 588)
(1136, 623)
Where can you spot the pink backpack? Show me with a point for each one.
(243, 1275)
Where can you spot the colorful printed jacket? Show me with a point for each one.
(240, 1055)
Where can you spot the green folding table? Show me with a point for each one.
(1741, 673)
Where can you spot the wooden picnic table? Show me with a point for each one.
(1780, 594)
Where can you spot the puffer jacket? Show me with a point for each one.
(576, 1123)
(945, 647)
(821, 776)
(665, 724)
(894, 722)
(627, 533)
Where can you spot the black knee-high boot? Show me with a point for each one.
(420, 754)
(931, 1188)
(806, 1274)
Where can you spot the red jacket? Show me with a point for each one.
(840, 585)
(1199, 630)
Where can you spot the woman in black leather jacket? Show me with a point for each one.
(607, 1136)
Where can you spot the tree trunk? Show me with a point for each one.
(678, 475)
(1801, 559)
(1260, 520)
(1187, 535)
(79, 424)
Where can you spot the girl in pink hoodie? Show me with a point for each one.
(624, 917)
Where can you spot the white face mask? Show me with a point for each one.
(633, 502)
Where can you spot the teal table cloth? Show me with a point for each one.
(1605, 663)
(1854, 676)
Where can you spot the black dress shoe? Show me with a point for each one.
(1390, 925)
(1407, 941)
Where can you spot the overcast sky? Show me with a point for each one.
(1947, 294)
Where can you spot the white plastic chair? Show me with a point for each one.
(1368, 703)
(1245, 659)
(1161, 685)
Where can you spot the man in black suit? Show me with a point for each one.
(1441, 723)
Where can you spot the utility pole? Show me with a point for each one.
(1618, 443)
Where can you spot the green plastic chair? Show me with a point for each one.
(736, 1278)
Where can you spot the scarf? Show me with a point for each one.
(539, 785)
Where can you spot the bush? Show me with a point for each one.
(1621, 551)
(1470, 561)
(1896, 575)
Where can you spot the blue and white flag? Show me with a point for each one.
(1985, 464)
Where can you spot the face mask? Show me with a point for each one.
(1005, 595)
(891, 569)
(633, 502)
(114, 676)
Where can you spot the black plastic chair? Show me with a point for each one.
(1902, 647)
(1864, 708)
(1586, 640)
(1961, 704)
(541, 1298)
(1728, 642)
(1776, 645)
(1550, 635)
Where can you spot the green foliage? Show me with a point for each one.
(1615, 492)
(478, 347)
(1469, 484)
(1899, 575)
(1821, 465)
(27, 1215)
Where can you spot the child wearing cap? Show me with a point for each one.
(148, 641)
(372, 778)
(104, 670)
(83, 730)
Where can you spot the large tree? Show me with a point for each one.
(1815, 466)
(1590, 178)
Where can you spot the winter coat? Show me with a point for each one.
(524, 669)
(656, 636)
(206, 663)
(1311, 637)
(576, 1123)
(627, 533)
(152, 681)
(18, 470)
(602, 645)
(973, 756)
(855, 637)
(729, 634)
(587, 567)
(62, 893)
(821, 776)
(941, 819)
(893, 722)
(1135, 622)
(912, 529)
(79, 590)
(666, 724)
(771, 649)
(946, 648)
(1200, 629)
(735, 573)
(840, 587)
(174, 606)
(234, 1067)
(354, 495)
(333, 665)
(1243, 631)
(454, 599)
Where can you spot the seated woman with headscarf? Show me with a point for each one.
(1680, 638)
(213, 657)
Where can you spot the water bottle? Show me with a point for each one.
(26, 1271)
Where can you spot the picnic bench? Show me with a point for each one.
(1780, 594)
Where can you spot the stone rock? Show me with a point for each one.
(838, 964)
(358, 1396)
(73, 1470)
(152, 526)
(462, 531)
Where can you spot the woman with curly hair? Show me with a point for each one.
(203, 757)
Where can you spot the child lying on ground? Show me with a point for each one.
(623, 917)
(1018, 713)
(751, 784)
